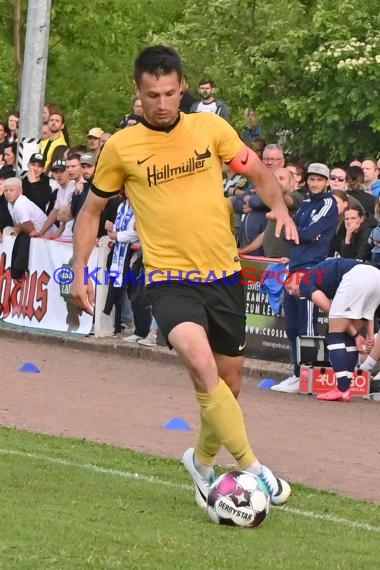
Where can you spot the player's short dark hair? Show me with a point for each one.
(158, 60)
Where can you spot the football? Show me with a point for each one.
(238, 498)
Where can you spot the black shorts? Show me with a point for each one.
(219, 307)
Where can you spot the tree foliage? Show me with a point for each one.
(288, 61)
(91, 51)
(8, 69)
(308, 66)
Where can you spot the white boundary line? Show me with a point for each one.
(357, 525)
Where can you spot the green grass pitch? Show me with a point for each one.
(73, 505)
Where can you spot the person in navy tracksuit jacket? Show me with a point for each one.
(316, 221)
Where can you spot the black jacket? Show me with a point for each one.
(366, 199)
(5, 217)
(359, 248)
(187, 101)
(20, 256)
(39, 192)
(77, 200)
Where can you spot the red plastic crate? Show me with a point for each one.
(316, 380)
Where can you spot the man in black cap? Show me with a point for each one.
(35, 185)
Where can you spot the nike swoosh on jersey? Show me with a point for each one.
(144, 159)
(242, 346)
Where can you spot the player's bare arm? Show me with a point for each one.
(248, 163)
(86, 230)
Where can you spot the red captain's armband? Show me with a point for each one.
(244, 160)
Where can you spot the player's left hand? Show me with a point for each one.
(280, 215)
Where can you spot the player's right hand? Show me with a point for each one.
(82, 293)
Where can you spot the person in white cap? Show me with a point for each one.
(94, 140)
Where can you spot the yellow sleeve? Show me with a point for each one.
(229, 144)
(109, 174)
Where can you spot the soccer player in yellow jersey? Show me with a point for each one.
(171, 165)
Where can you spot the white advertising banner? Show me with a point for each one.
(41, 299)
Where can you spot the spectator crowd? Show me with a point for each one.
(336, 208)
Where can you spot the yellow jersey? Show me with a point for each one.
(173, 178)
(60, 141)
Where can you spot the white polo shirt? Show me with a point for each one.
(64, 196)
(24, 210)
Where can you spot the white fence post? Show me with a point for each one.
(104, 324)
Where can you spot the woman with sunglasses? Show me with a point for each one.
(338, 179)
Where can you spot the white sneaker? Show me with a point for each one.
(201, 484)
(127, 330)
(279, 489)
(132, 338)
(290, 385)
(150, 340)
